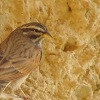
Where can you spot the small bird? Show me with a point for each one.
(21, 53)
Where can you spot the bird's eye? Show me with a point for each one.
(34, 37)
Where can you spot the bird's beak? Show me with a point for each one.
(47, 36)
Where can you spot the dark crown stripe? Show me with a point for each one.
(36, 24)
(31, 29)
(40, 25)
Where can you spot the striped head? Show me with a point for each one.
(35, 31)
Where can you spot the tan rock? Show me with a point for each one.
(70, 68)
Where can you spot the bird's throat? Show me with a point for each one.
(38, 41)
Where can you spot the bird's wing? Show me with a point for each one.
(19, 63)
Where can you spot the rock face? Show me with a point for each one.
(70, 69)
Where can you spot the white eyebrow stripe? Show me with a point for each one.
(34, 27)
(35, 33)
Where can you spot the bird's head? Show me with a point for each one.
(35, 31)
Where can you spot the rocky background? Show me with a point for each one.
(70, 68)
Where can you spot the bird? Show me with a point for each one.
(21, 53)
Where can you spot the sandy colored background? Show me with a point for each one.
(70, 69)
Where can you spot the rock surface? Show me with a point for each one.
(70, 69)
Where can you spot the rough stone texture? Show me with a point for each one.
(70, 69)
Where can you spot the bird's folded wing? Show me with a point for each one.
(17, 68)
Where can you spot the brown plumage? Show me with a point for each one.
(21, 52)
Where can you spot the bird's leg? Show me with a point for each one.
(24, 95)
(3, 86)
